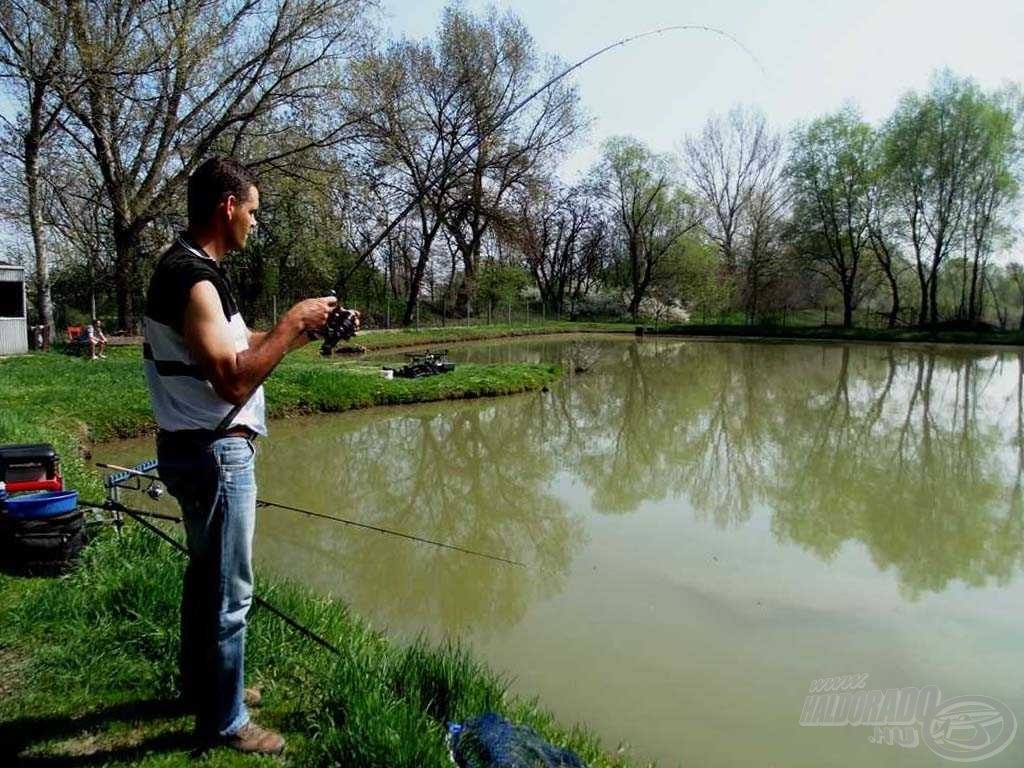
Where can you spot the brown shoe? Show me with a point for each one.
(255, 740)
(252, 697)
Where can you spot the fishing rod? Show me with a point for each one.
(154, 493)
(139, 516)
(446, 170)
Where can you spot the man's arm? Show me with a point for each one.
(257, 337)
(235, 375)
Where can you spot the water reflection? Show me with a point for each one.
(902, 449)
(476, 477)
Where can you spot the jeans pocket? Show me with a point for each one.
(234, 453)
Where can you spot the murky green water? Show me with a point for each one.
(707, 527)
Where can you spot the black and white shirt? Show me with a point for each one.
(182, 397)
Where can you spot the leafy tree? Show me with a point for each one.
(831, 171)
(650, 208)
(946, 156)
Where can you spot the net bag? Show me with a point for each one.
(491, 741)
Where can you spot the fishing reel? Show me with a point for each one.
(340, 326)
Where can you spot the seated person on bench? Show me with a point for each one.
(97, 341)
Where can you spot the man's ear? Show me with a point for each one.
(230, 203)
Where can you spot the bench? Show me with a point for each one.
(75, 341)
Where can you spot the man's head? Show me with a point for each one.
(223, 197)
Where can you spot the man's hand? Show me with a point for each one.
(312, 314)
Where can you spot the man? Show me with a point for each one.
(203, 365)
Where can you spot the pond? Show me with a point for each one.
(707, 528)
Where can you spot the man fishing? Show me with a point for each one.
(205, 370)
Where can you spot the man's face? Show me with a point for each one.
(242, 216)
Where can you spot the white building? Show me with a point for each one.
(13, 325)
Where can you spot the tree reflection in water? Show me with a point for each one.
(475, 476)
(902, 449)
(908, 450)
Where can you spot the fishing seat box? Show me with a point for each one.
(41, 532)
(34, 467)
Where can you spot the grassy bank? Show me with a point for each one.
(87, 662)
(827, 333)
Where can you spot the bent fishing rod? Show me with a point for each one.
(446, 170)
(153, 492)
(340, 323)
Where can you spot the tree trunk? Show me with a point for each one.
(848, 303)
(922, 311)
(973, 308)
(894, 309)
(414, 287)
(126, 244)
(933, 296)
(42, 278)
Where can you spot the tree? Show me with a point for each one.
(154, 88)
(938, 149)
(32, 42)
(883, 229)
(651, 210)
(413, 118)
(993, 185)
(562, 236)
(734, 166)
(494, 60)
(831, 172)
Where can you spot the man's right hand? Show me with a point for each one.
(312, 314)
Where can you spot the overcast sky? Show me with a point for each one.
(817, 53)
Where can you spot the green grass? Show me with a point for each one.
(87, 661)
(105, 399)
(822, 333)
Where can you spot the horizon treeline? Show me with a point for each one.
(907, 222)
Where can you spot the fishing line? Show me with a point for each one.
(344, 521)
(139, 517)
(446, 170)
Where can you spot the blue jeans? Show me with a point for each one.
(215, 485)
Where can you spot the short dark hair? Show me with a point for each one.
(212, 182)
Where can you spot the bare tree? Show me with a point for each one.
(33, 37)
(495, 60)
(163, 85)
(562, 237)
(413, 118)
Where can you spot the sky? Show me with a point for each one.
(817, 55)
